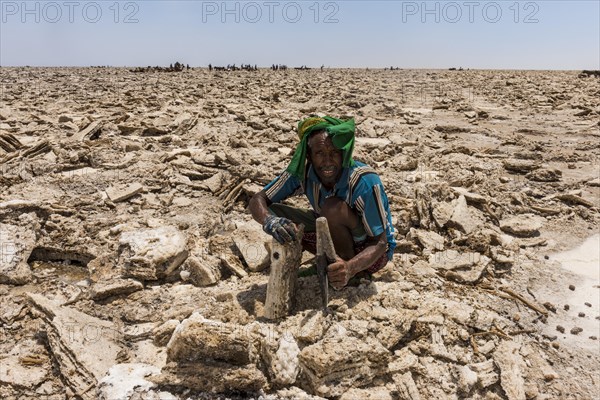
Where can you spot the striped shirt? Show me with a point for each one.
(359, 186)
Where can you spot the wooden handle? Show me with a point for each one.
(324, 242)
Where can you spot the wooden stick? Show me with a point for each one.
(528, 303)
(283, 278)
(325, 255)
(324, 240)
(492, 332)
(522, 331)
(474, 345)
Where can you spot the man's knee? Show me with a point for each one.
(338, 212)
(333, 208)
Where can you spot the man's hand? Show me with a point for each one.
(339, 273)
(282, 229)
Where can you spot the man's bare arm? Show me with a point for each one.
(258, 206)
(363, 260)
(341, 271)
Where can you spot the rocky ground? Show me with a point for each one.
(130, 267)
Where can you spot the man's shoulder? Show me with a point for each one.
(362, 178)
(362, 173)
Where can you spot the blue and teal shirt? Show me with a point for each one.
(359, 186)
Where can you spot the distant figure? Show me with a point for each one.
(322, 66)
(588, 73)
(210, 67)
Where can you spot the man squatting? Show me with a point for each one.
(347, 192)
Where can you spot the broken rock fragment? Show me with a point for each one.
(212, 376)
(544, 175)
(407, 388)
(117, 194)
(197, 339)
(525, 225)
(151, 254)
(486, 373)
(512, 368)
(83, 346)
(204, 270)
(466, 377)
(465, 218)
(213, 356)
(92, 131)
(251, 242)
(462, 267)
(428, 239)
(162, 333)
(521, 166)
(114, 287)
(281, 358)
(16, 244)
(441, 213)
(336, 364)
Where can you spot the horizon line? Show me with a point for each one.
(395, 68)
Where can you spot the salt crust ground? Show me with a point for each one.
(89, 156)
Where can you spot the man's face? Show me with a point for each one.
(325, 158)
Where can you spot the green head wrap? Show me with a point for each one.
(341, 134)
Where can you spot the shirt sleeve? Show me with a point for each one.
(282, 187)
(372, 206)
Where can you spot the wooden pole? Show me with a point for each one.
(324, 241)
(325, 255)
(283, 278)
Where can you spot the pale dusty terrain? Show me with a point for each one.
(128, 254)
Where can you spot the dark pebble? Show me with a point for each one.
(572, 287)
(588, 304)
(546, 257)
(560, 329)
(581, 314)
(593, 338)
(576, 330)
(566, 307)
(550, 337)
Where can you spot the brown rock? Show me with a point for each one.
(334, 365)
(544, 175)
(524, 225)
(521, 166)
(465, 218)
(114, 287)
(116, 194)
(16, 245)
(512, 369)
(150, 254)
(204, 270)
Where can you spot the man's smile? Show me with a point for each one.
(328, 172)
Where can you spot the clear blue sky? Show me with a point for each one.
(407, 34)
